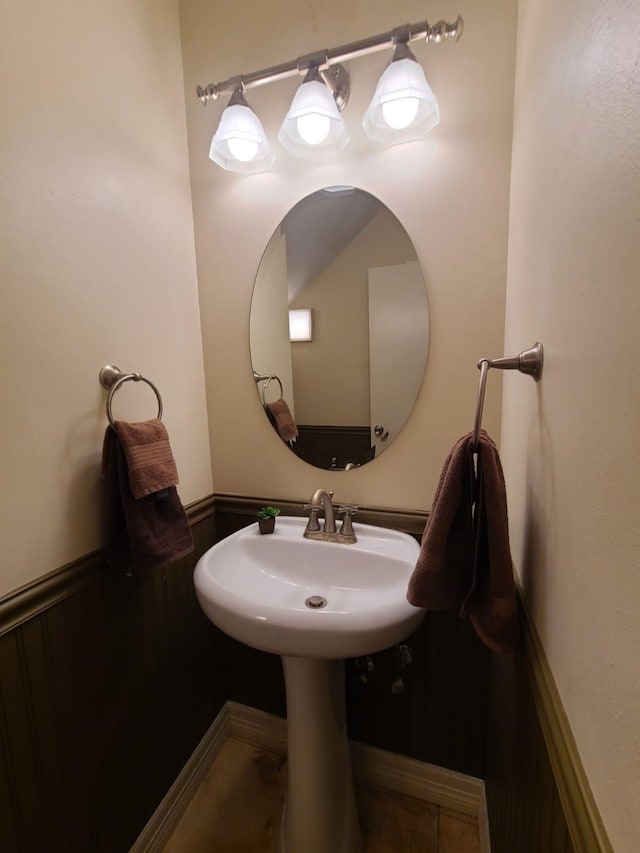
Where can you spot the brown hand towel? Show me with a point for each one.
(149, 459)
(465, 558)
(145, 533)
(491, 601)
(444, 570)
(282, 419)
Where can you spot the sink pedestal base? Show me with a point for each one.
(320, 812)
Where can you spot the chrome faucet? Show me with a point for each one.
(322, 501)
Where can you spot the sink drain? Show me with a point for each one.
(315, 602)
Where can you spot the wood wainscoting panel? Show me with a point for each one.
(236, 511)
(107, 684)
(538, 796)
(583, 819)
(525, 811)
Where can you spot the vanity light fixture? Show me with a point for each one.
(403, 107)
(300, 324)
(240, 143)
(313, 127)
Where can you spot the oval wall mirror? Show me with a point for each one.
(339, 328)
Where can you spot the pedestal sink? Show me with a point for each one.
(314, 603)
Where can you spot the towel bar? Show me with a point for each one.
(112, 378)
(529, 361)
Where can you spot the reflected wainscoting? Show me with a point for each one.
(108, 685)
(334, 446)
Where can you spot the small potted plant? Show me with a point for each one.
(267, 519)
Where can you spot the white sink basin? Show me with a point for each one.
(254, 588)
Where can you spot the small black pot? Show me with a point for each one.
(267, 525)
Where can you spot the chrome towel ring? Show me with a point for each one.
(112, 378)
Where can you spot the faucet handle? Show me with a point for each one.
(347, 509)
(313, 524)
(347, 533)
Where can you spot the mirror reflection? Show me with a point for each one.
(339, 328)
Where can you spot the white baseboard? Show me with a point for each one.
(436, 785)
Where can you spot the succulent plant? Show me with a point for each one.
(268, 512)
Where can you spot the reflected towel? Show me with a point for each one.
(145, 533)
(280, 416)
(465, 558)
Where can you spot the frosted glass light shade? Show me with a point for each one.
(240, 143)
(313, 128)
(403, 107)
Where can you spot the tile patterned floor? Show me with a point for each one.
(237, 810)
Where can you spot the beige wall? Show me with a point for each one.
(96, 262)
(450, 193)
(571, 446)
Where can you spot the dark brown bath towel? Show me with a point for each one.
(145, 533)
(282, 419)
(465, 558)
